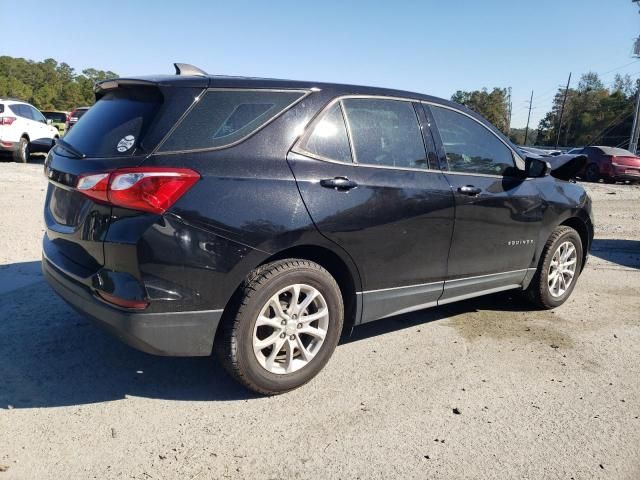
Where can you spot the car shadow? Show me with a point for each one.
(622, 252)
(52, 356)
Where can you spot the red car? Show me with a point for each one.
(611, 164)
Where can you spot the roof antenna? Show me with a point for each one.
(186, 69)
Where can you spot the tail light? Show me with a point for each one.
(7, 120)
(147, 189)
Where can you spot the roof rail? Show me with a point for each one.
(186, 69)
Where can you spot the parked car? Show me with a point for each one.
(575, 151)
(23, 129)
(540, 151)
(610, 164)
(74, 116)
(58, 119)
(260, 218)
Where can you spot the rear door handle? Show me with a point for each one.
(469, 190)
(338, 183)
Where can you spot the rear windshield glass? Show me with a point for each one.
(55, 116)
(116, 124)
(80, 112)
(223, 117)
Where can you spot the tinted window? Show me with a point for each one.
(1, 108)
(126, 112)
(80, 112)
(471, 147)
(36, 115)
(328, 137)
(20, 110)
(223, 117)
(385, 132)
(55, 116)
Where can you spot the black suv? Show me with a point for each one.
(260, 218)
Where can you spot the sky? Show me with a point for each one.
(429, 46)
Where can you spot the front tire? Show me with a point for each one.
(22, 154)
(285, 327)
(592, 173)
(558, 269)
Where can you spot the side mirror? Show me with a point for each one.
(536, 168)
(49, 121)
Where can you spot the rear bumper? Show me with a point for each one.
(6, 146)
(621, 172)
(167, 334)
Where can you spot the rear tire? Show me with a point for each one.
(558, 270)
(592, 173)
(23, 153)
(270, 310)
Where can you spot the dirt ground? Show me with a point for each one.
(539, 394)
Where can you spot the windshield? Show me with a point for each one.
(116, 124)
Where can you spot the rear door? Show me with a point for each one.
(371, 187)
(498, 212)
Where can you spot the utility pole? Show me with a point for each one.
(526, 131)
(509, 118)
(564, 101)
(635, 130)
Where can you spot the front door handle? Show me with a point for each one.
(469, 190)
(338, 183)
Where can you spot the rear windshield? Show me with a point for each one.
(55, 116)
(619, 152)
(224, 117)
(80, 112)
(116, 124)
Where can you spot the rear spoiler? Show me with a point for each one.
(186, 76)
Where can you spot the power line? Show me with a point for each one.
(611, 126)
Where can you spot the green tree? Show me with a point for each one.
(48, 84)
(593, 114)
(493, 105)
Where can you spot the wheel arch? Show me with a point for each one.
(346, 276)
(347, 279)
(580, 226)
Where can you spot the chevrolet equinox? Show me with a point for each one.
(259, 218)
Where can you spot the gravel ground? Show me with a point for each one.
(482, 389)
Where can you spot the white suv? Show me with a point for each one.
(23, 129)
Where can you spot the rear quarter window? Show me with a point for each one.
(1, 108)
(224, 117)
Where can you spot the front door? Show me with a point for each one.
(382, 204)
(498, 211)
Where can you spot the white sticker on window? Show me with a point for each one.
(126, 143)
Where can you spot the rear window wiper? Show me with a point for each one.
(70, 148)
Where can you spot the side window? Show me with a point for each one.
(385, 133)
(470, 147)
(19, 110)
(223, 117)
(328, 137)
(36, 115)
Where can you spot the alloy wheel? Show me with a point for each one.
(562, 269)
(290, 329)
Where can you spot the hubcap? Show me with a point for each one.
(290, 329)
(562, 269)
